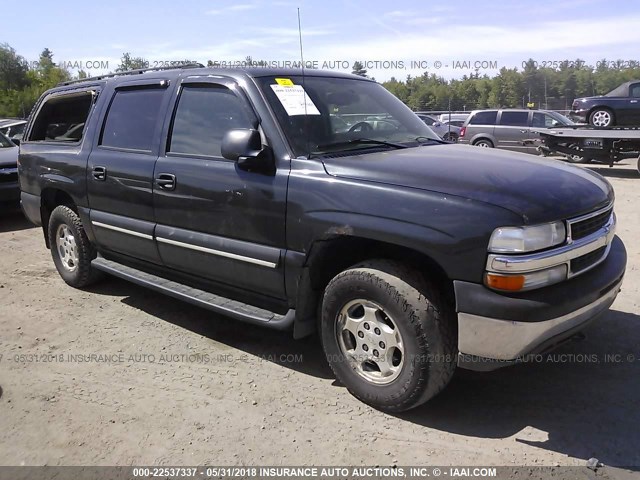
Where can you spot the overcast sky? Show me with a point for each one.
(397, 32)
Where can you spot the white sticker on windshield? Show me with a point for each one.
(293, 100)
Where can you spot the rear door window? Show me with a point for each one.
(634, 90)
(62, 118)
(132, 119)
(484, 118)
(514, 119)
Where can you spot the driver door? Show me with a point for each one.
(215, 220)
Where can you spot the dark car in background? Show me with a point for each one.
(621, 106)
(509, 128)
(9, 189)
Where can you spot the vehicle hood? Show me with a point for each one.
(8, 157)
(540, 190)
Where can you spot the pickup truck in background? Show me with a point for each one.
(238, 191)
(621, 106)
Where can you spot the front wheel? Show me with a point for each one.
(70, 248)
(388, 335)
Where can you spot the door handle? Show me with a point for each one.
(166, 181)
(633, 101)
(99, 173)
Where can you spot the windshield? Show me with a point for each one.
(619, 91)
(341, 114)
(5, 142)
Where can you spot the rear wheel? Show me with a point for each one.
(483, 143)
(602, 117)
(70, 248)
(388, 335)
(576, 158)
(450, 137)
(638, 164)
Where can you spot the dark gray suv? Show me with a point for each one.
(508, 128)
(238, 191)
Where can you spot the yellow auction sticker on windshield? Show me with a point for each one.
(295, 100)
(285, 82)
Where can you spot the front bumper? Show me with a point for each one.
(579, 116)
(497, 329)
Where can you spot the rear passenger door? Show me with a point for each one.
(512, 129)
(120, 168)
(214, 220)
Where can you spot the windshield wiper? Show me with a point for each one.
(429, 139)
(360, 141)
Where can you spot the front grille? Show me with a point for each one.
(588, 260)
(588, 226)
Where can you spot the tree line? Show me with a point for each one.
(549, 88)
(22, 83)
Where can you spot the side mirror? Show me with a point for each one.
(437, 124)
(244, 146)
(16, 141)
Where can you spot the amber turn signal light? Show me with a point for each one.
(511, 283)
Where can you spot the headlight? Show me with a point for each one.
(527, 239)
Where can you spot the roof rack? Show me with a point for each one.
(131, 72)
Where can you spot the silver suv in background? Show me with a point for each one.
(450, 133)
(509, 128)
(12, 127)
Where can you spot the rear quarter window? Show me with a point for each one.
(484, 118)
(62, 118)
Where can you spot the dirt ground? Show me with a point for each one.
(119, 375)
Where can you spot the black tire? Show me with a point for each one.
(82, 274)
(598, 118)
(638, 164)
(483, 142)
(424, 320)
(450, 137)
(576, 158)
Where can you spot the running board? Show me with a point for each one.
(225, 306)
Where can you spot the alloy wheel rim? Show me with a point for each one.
(370, 341)
(67, 248)
(601, 119)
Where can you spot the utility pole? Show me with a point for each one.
(449, 117)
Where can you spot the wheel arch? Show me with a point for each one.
(329, 256)
(483, 136)
(601, 107)
(50, 198)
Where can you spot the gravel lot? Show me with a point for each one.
(179, 385)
